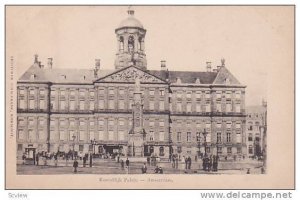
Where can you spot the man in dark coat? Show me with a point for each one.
(91, 160)
(84, 161)
(144, 169)
(127, 165)
(75, 165)
(189, 162)
(37, 157)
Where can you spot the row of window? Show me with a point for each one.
(71, 135)
(219, 150)
(152, 92)
(207, 138)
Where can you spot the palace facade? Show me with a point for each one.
(101, 111)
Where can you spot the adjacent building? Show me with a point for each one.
(101, 111)
(256, 129)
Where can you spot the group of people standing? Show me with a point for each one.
(210, 163)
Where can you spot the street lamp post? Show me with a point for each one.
(199, 143)
(93, 142)
(204, 134)
(73, 137)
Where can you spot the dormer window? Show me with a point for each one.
(32, 76)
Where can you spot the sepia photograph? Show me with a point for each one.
(149, 97)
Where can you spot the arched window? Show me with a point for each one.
(121, 43)
(161, 151)
(131, 43)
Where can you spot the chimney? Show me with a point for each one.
(163, 65)
(208, 66)
(36, 59)
(50, 63)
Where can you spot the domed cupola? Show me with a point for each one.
(131, 48)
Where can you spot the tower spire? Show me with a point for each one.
(130, 11)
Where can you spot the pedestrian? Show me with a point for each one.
(118, 158)
(156, 170)
(23, 158)
(160, 170)
(186, 162)
(122, 164)
(67, 159)
(144, 169)
(55, 160)
(204, 163)
(91, 160)
(173, 161)
(37, 157)
(84, 161)
(176, 162)
(127, 165)
(189, 162)
(75, 165)
(148, 160)
(248, 171)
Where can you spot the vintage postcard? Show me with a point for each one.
(149, 97)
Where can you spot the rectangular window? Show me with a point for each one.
(179, 107)
(219, 94)
(121, 135)
(62, 123)
(239, 150)
(101, 104)
(21, 91)
(111, 122)
(207, 95)
(111, 104)
(92, 123)
(101, 122)
(41, 122)
(81, 147)
(189, 95)
(81, 93)
(130, 104)
(179, 136)
(121, 92)
(62, 105)
(151, 137)
(42, 104)
(151, 105)
(219, 150)
(110, 135)
(92, 135)
(219, 125)
(81, 105)
(228, 138)
(228, 107)
(219, 108)
(151, 123)
(228, 94)
(81, 135)
(198, 107)
(151, 92)
(237, 125)
(31, 104)
(198, 95)
(161, 136)
(208, 137)
(189, 107)
(101, 91)
(238, 108)
(92, 105)
(92, 93)
(250, 149)
(21, 134)
(162, 92)
(161, 124)
(22, 104)
(161, 105)
(52, 122)
(188, 136)
(111, 91)
(208, 126)
(207, 106)
(219, 137)
(31, 135)
(237, 94)
(179, 94)
(238, 138)
(82, 123)
(31, 92)
(72, 93)
(228, 125)
(101, 135)
(52, 134)
(20, 147)
(62, 135)
(72, 136)
(31, 121)
(121, 104)
(229, 150)
(121, 122)
(72, 123)
(21, 122)
(72, 105)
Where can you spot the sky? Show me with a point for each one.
(253, 40)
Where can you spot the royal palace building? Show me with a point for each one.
(131, 109)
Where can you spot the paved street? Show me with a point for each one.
(112, 167)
